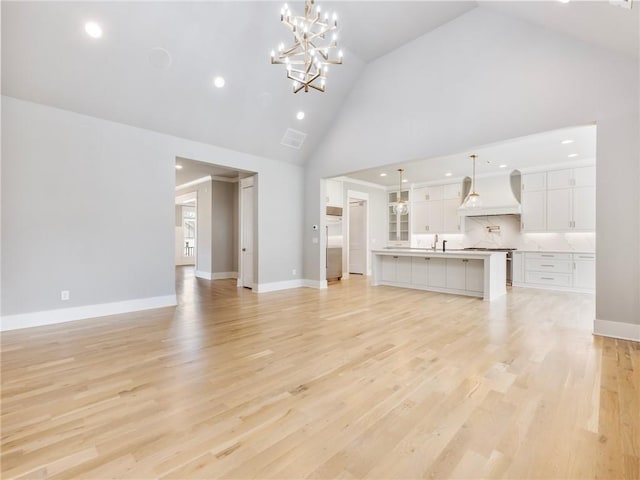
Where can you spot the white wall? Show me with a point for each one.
(224, 227)
(484, 78)
(71, 184)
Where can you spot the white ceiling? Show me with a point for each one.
(595, 22)
(48, 58)
(533, 151)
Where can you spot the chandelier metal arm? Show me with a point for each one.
(310, 49)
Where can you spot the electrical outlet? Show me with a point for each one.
(293, 272)
(64, 295)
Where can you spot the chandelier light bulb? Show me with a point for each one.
(312, 49)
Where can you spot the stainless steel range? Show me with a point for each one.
(509, 259)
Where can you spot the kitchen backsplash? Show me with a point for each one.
(478, 233)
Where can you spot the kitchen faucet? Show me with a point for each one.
(444, 245)
(434, 246)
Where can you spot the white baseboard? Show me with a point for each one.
(205, 275)
(223, 275)
(274, 286)
(49, 317)
(315, 283)
(623, 331)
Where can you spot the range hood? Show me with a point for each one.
(499, 195)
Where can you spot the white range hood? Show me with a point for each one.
(497, 195)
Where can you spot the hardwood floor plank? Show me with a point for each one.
(350, 382)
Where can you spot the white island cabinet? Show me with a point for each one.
(477, 274)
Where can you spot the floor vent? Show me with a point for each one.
(293, 138)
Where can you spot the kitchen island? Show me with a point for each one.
(474, 273)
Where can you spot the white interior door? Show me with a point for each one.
(247, 237)
(357, 236)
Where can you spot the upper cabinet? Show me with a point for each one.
(398, 225)
(333, 190)
(534, 182)
(435, 209)
(566, 203)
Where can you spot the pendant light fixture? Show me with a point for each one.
(473, 199)
(401, 206)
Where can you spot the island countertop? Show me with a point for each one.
(455, 253)
(461, 272)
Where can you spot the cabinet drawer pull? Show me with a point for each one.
(546, 278)
(547, 265)
(550, 256)
(586, 256)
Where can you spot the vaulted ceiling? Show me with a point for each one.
(154, 66)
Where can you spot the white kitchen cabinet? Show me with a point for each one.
(584, 208)
(419, 220)
(534, 182)
(555, 270)
(584, 271)
(388, 270)
(465, 274)
(424, 194)
(427, 217)
(403, 269)
(534, 211)
(396, 269)
(419, 270)
(560, 178)
(435, 209)
(437, 273)
(452, 191)
(584, 176)
(428, 271)
(398, 225)
(456, 273)
(333, 190)
(571, 209)
(559, 209)
(474, 275)
(450, 216)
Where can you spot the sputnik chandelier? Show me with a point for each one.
(307, 60)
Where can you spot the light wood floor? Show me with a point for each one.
(351, 382)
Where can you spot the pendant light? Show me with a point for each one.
(473, 199)
(401, 207)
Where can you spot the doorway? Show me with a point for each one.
(357, 258)
(246, 277)
(185, 229)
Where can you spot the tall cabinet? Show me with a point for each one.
(398, 224)
(559, 200)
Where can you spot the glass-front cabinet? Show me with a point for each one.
(398, 224)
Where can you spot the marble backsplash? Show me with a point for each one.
(481, 232)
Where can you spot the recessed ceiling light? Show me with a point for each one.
(218, 82)
(566, 142)
(93, 29)
(448, 174)
(383, 174)
(300, 115)
(571, 155)
(503, 166)
(178, 167)
(564, 1)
